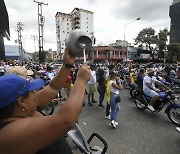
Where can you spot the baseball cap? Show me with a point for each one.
(13, 86)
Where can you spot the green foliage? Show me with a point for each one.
(174, 51)
(148, 38)
(162, 41)
(155, 42)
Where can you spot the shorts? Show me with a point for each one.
(151, 93)
(92, 88)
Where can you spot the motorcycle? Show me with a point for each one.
(125, 81)
(134, 92)
(166, 97)
(176, 85)
(78, 138)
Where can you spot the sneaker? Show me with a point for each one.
(101, 106)
(108, 117)
(178, 129)
(90, 104)
(116, 123)
(113, 124)
(150, 107)
(94, 101)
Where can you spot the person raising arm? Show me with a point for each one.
(23, 130)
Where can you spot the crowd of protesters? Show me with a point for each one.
(104, 78)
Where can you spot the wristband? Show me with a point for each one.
(68, 65)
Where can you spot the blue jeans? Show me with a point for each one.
(115, 107)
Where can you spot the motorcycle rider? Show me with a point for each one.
(149, 88)
(133, 78)
(140, 77)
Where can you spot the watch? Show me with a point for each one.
(68, 65)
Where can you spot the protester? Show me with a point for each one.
(140, 77)
(22, 129)
(101, 86)
(115, 86)
(92, 86)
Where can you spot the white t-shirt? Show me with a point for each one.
(148, 79)
(2, 69)
(114, 90)
(93, 77)
(107, 75)
(51, 75)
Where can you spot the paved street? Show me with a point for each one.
(138, 132)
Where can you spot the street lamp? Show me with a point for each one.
(125, 34)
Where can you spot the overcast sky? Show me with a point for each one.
(110, 18)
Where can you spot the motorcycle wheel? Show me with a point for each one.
(174, 115)
(49, 109)
(138, 102)
(126, 86)
(133, 93)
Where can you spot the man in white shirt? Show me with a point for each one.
(92, 85)
(149, 88)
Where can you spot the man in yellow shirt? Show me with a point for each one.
(133, 78)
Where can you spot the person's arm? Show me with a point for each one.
(29, 135)
(51, 90)
(161, 84)
(117, 85)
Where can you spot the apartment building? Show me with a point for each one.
(77, 19)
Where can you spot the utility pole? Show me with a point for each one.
(19, 30)
(41, 20)
(34, 38)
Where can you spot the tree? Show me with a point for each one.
(162, 41)
(174, 52)
(148, 38)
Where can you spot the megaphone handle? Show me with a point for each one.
(84, 53)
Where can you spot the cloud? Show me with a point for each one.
(148, 10)
(110, 18)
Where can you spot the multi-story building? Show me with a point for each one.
(77, 19)
(174, 14)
